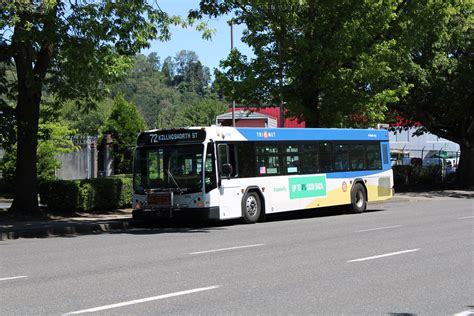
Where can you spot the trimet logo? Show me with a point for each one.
(266, 134)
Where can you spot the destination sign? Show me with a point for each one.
(171, 137)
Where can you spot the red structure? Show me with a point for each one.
(275, 112)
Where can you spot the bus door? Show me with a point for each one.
(229, 188)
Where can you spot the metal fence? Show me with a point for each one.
(82, 163)
(446, 161)
(424, 157)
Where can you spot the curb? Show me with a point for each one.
(64, 229)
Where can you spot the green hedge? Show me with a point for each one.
(100, 194)
(414, 176)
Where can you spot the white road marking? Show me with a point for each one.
(466, 217)
(143, 300)
(13, 278)
(225, 249)
(378, 228)
(465, 313)
(384, 255)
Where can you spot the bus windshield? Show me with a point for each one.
(177, 168)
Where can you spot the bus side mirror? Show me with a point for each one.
(227, 170)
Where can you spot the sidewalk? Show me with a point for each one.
(66, 226)
(122, 219)
(432, 195)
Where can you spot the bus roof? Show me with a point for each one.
(289, 134)
(221, 133)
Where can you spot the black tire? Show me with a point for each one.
(251, 208)
(358, 199)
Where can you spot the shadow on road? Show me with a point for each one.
(201, 226)
(313, 213)
(72, 227)
(442, 194)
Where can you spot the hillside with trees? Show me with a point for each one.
(165, 92)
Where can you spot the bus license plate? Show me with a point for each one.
(159, 199)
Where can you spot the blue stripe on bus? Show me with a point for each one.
(297, 134)
(351, 174)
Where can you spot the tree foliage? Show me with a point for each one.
(73, 49)
(162, 94)
(87, 122)
(324, 59)
(54, 139)
(441, 74)
(347, 62)
(192, 111)
(124, 124)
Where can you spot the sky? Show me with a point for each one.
(210, 52)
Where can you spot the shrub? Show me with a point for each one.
(61, 195)
(99, 194)
(430, 174)
(412, 176)
(126, 189)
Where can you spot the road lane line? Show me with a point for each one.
(225, 249)
(143, 300)
(13, 278)
(378, 228)
(466, 217)
(384, 255)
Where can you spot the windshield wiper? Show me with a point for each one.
(170, 175)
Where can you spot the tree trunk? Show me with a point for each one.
(312, 115)
(31, 64)
(465, 171)
(25, 202)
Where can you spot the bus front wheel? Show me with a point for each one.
(251, 207)
(358, 199)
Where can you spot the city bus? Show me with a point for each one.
(227, 173)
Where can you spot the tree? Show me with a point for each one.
(124, 124)
(86, 122)
(157, 93)
(53, 140)
(147, 89)
(441, 74)
(324, 60)
(168, 70)
(72, 48)
(333, 61)
(189, 75)
(199, 112)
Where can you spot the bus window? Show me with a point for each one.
(325, 157)
(268, 160)
(357, 157)
(341, 157)
(246, 166)
(374, 161)
(210, 171)
(309, 158)
(227, 156)
(292, 159)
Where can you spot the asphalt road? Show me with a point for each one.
(400, 257)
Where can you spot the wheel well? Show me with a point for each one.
(260, 195)
(361, 181)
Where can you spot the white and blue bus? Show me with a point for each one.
(225, 172)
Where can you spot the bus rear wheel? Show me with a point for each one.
(358, 198)
(251, 207)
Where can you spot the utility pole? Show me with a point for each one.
(231, 48)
